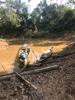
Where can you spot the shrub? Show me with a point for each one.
(41, 34)
(28, 35)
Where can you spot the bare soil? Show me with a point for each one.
(52, 85)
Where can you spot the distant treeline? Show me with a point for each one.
(15, 19)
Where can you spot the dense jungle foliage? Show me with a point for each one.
(15, 19)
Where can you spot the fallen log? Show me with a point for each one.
(41, 70)
(63, 55)
(26, 81)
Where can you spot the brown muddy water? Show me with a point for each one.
(8, 56)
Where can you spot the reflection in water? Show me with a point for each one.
(9, 58)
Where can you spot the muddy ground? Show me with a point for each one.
(53, 85)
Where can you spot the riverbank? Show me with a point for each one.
(54, 85)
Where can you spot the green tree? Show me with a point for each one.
(34, 15)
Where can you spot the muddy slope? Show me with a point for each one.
(53, 85)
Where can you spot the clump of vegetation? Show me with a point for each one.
(41, 34)
(28, 35)
(46, 17)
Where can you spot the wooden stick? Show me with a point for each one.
(34, 54)
(34, 65)
(24, 67)
(3, 67)
(41, 70)
(26, 81)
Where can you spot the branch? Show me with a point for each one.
(3, 67)
(41, 70)
(26, 81)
